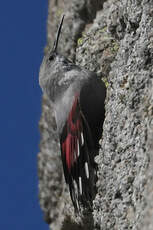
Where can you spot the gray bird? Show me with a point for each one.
(78, 97)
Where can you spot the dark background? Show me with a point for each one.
(22, 40)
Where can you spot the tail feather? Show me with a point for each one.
(77, 157)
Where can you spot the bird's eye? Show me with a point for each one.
(51, 57)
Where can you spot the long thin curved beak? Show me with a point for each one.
(58, 34)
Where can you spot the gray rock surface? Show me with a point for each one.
(115, 39)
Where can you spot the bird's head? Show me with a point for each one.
(52, 61)
(53, 53)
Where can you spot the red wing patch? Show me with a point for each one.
(70, 146)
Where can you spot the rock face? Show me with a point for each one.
(115, 39)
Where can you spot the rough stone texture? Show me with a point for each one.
(115, 39)
(78, 14)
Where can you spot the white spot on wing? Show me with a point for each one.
(80, 185)
(82, 139)
(78, 149)
(86, 169)
(77, 204)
